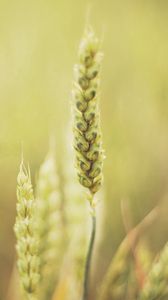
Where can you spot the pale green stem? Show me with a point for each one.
(89, 257)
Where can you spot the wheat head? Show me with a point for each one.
(26, 234)
(87, 134)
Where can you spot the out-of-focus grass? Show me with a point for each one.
(38, 43)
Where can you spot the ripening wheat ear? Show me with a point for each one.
(27, 242)
(87, 134)
(87, 141)
(49, 225)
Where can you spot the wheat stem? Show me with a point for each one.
(89, 257)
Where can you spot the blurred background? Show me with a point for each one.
(38, 48)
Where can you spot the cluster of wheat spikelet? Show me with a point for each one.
(45, 270)
(26, 234)
(45, 237)
(49, 225)
(38, 230)
(87, 135)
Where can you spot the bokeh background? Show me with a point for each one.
(38, 48)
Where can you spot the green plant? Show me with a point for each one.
(87, 135)
(49, 225)
(43, 231)
(26, 234)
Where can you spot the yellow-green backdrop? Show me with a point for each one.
(38, 48)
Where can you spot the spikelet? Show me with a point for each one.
(49, 225)
(156, 286)
(26, 234)
(87, 135)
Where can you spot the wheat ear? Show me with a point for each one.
(87, 134)
(49, 225)
(88, 142)
(26, 234)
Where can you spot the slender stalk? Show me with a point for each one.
(89, 258)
